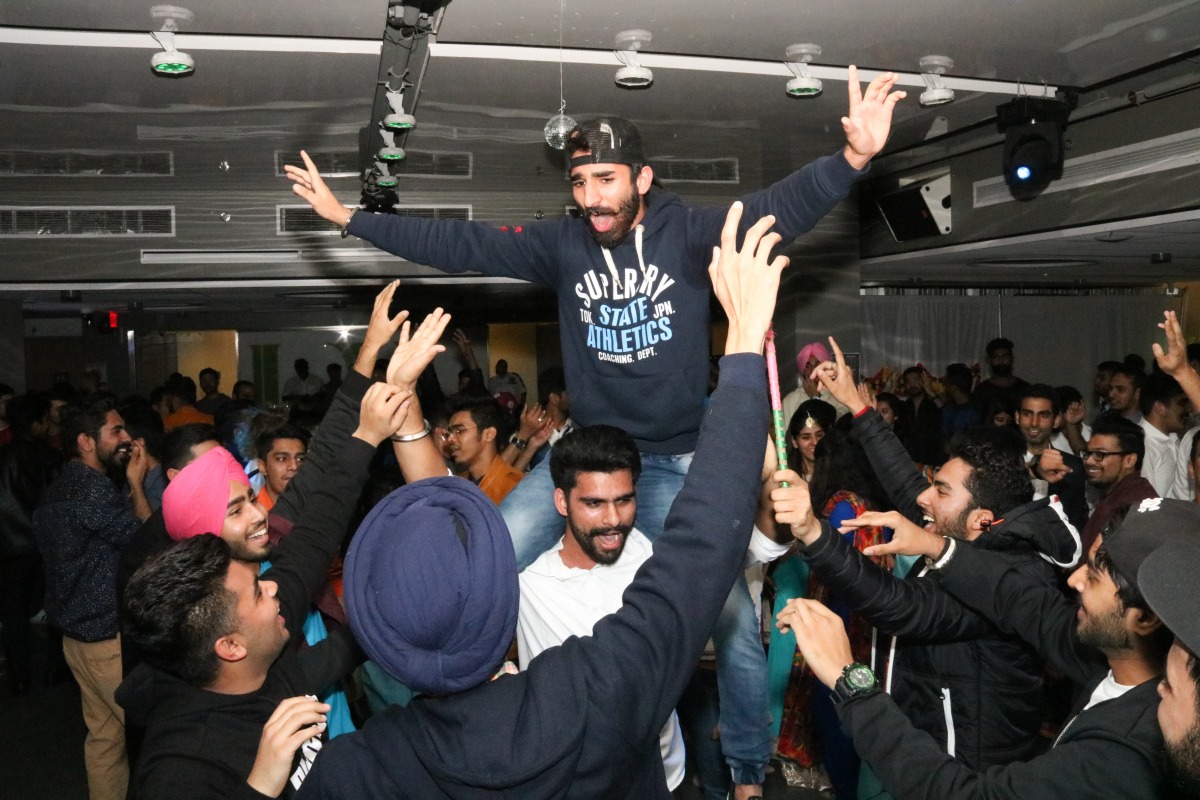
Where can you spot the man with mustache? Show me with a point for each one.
(634, 327)
(582, 579)
(80, 526)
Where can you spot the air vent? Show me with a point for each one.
(31, 221)
(1143, 158)
(302, 219)
(431, 164)
(330, 163)
(696, 170)
(434, 212)
(219, 256)
(85, 163)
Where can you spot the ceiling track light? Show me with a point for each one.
(384, 179)
(936, 92)
(389, 153)
(799, 56)
(399, 119)
(633, 75)
(170, 62)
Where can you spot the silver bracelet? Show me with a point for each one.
(412, 437)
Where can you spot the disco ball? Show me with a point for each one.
(557, 130)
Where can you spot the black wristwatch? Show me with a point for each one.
(857, 680)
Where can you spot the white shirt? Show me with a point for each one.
(1184, 487)
(1161, 462)
(297, 385)
(558, 601)
(1108, 689)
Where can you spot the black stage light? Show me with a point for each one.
(1033, 143)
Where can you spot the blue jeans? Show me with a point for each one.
(536, 525)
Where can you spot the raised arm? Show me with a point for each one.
(910, 764)
(1173, 358)
(414, 447)
(912, 608)
(890, 460)
(300, 561)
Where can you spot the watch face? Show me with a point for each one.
(860, 678)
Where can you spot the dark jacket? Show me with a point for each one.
(27, 468)
(634, 330)
(975, 689)
(582, 721)
(200, 744)
(1070, 489)
(1110, 750)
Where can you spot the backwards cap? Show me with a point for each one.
(605, 140)
(1167, 579)
(1153, 523)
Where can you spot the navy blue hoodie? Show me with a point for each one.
(633, 320)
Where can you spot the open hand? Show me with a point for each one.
(309, 185)
(869, 120)
(744, 282)
(380, 330)
(414, 353)
(908, 539)
(1173, 359)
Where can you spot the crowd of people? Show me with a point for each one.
(978, 589)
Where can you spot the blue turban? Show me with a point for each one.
(431, 586)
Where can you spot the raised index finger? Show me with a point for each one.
(837, 353)
(852, 85)
(308, 162)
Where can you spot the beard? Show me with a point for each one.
(114, 460)
(956, 529)
(1184, 760)
(623, 217)
(243, 550)
(1104, 633)
(586, 539)
(1001, 370)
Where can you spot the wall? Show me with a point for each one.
(217, 349)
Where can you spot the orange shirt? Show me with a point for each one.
(264, 500)
(185, 416)
(499, 480)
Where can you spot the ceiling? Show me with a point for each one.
(278, 75)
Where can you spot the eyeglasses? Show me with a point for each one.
(458, 430)
(1100, 455)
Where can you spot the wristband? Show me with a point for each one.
(412, 437)
(944, 557)
(345, 232)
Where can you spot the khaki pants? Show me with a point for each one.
(97, 670)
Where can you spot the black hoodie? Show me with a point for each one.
(201, 744)
(976, 690)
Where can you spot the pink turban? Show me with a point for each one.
(196, 499)
(808, 351)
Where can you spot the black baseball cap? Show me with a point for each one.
(605, 140)
(1167, 579)
(1148, 527)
